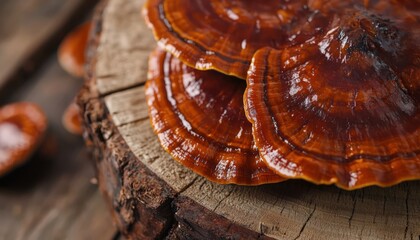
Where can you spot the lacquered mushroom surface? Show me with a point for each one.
(71, 53)
(22, 127)
(224, 35)
(343, 108)
(200, 120)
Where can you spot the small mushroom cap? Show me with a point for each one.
(343, 108)
(71, 53)
(72, 120)
(22, 128)
(199, 119)
(224, 35)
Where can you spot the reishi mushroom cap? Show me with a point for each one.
(22, 128)
(344, 107)
(71, 53)
(199, 119)
(224, 35)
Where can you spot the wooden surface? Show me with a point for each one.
(31, 29)
(52, 196)
(153, 196)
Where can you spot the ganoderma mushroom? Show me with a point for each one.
(343, 108)
(71, 56)
(71, 53)
(22, 128)
(72, 120)
(224, 35)
(199, 119)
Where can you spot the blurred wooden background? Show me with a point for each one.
(53, 196)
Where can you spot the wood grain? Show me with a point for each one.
(51, 197)
(127, 150)
(31, 29)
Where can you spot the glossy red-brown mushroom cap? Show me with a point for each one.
(200, 120)
(224, 35)
(71, 53)
(72, 119)
(343, 108)
(22, 127)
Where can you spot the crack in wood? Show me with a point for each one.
(262, 228)
(305, 223)
(353, 210)
(139, 120)
(374, 217)
(407, 223)
(201, 185)
(384, 205)
(363, 229)
(339, 195)
(106, 76)
(121, 89)
(187, 186)
(223, 199)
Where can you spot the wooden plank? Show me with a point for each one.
(290, 210)
(51, 197)
(31, 29)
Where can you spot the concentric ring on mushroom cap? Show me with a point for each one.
(224, 35)
(22, 127)
(343, 108)
(200, 120)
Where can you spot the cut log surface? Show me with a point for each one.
(152, 196)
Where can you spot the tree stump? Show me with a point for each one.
(152, 196)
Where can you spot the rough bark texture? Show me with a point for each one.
(151, 196)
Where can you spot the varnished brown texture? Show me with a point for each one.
(22, 128)
(71, 53)
(224, 35)
(200, 120)
(342, 108)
